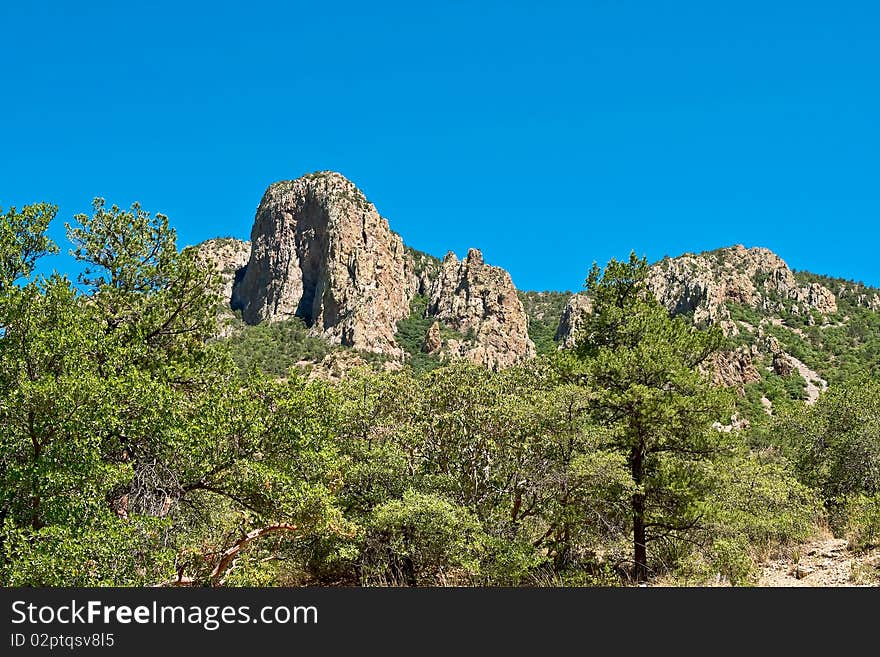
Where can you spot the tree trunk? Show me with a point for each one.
(640, 550)
(409, 572)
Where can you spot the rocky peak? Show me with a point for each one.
(480, 302)
(474, 258)
(433, 341)
(703, 285)
(422, 269)
(321, 252)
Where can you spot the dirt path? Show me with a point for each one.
(823, 562)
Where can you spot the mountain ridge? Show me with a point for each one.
(320, 252)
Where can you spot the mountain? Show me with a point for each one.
(228, 257)
(324, 272)
(788, 334)
(321, 253)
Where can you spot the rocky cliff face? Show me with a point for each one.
(735, 368)
(421, 271)
(228, 257)
(703, 285)
(578, 306)
(321, 252)
(480, 302)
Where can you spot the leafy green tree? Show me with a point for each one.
(23, 240)
(753, 506)
(153, 298)
(132, 451)
(422, 538)
(642, 368)
(835, 445)
(137, 449)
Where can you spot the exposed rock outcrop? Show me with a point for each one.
(701, 285)
(576, 310)
(733, 369)
(321, 252)
(433, 341)
(480, 302)
(422, 270)
(228, 257)
(784, 364)
(338, 364)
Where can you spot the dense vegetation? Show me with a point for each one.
(411, 334)
(137, 450)
(274, 348)
(544, 309)
(847, 344)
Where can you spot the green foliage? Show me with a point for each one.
(835, 447)
(273, 349)
(863, 522)
(755, 506)
(411, 331)
(836, 443)
(741, 312)
(421, 539)
(150, 296)
(642, 369)
(23, 240)
(544, 310)
(123, 431)
(840, 347)
(411, 334)
(106, 552)
(138, 449)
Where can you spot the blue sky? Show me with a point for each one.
(547, 134)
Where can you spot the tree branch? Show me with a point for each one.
(230, 554)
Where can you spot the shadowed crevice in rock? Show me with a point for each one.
(312, 246)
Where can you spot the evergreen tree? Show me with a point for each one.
(642, 367)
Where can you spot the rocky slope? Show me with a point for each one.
(480, 302)
(703, 285)
(823, 562)
(320, 252)
(228, 257)
(719, 288)
(578, 306)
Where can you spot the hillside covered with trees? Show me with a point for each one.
(139, 448)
